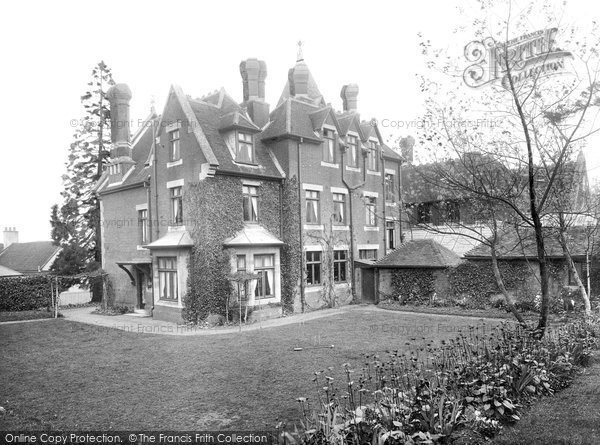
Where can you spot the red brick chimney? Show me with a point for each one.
(349, 95)
(119, 96)
(254, 73)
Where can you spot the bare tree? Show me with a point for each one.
(520, 115)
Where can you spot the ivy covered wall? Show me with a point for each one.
(213, 209)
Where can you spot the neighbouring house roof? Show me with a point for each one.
(31, 257)
(253, 235)
(520, 244)
(6, 272)
(176, 238)
(419, 254)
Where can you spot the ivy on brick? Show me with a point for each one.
(413, 285)
(292, 250)
(211, 222)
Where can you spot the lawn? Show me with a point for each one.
(65, 375)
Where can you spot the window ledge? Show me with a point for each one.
(168, 303)
(329, 164)
(391, 204)
(175, 163)
(314, 227)
(373, 173)
(341, 228)
(371, 229)
(140, 247)
(352, 169)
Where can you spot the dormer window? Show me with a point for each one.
(244, 149)
(328, 146)
(352, 151)
(174, 152)
(372, 158)
(114, 169)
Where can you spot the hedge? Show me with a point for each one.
(24, 293)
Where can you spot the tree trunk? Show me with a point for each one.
(508, 298)
(571, 266)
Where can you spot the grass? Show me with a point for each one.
(65, 375)
(26, 315)
(569, 417)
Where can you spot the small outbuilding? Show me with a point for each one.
(415, 272)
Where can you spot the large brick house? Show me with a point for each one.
(153, 217)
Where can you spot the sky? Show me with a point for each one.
(50, 48)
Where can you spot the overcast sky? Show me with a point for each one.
(50, 48)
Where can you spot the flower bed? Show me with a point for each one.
(463, 391)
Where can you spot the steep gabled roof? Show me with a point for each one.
(210, 119)
(29, 257)
(419, 254)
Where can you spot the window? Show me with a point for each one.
(174, 152)
(390, 194)
(329, 146)
(264, 267)
(352, 151)
(312, 207)
(370, 211)
(250, 203)
(367, 254)
(114, 169)
(424, 213)
(244, 148)
(390, 227)
(313, 268)
(167, 278)
(143, 226)
(340, 265)
(176, 206)
(372, 157)
(339, 208)
(451, 212)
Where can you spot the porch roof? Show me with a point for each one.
(175, 239)
(253, 235)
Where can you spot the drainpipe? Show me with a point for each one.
(149, 201)
(400, 202)
(300, 230)
(351, 221)
(155, 165)
(383, 188)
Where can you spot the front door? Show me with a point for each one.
(368, 285)
(140, 280)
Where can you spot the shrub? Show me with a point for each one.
(469, 386)
(23, 293)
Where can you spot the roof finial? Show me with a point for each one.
(299, 57)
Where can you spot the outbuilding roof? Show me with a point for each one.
(419, 254)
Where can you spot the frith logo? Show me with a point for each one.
(529, 56)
